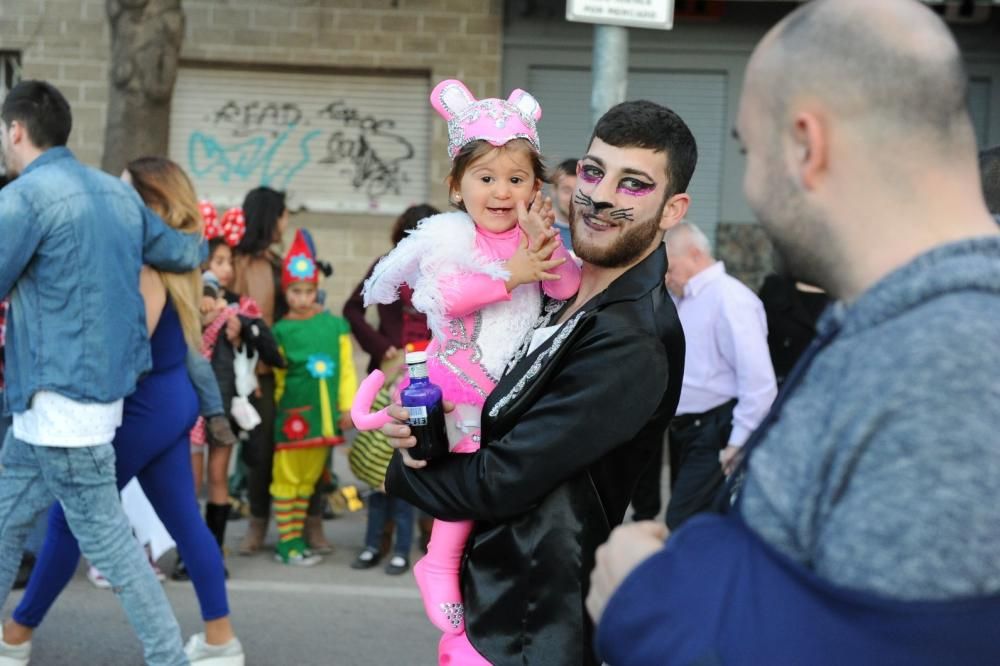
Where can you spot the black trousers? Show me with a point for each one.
(646, 496)
(695, 473)
(259, 455)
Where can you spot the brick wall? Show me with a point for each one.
(68, 42)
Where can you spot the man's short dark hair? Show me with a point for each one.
(644, 124)
(989, 169)
(43, 111)
(565, 168)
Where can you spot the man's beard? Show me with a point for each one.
(9, 171)
(796, 232)
(630, 245)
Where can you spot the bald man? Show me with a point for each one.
(863, 527)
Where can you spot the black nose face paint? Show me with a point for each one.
(596, 206)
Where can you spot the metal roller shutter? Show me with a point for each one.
(335, 142)
(979, 108)
(698, 97)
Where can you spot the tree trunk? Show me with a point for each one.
(146, 38)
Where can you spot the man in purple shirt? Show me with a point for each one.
(728, 383)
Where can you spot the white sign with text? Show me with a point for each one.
(654, 14)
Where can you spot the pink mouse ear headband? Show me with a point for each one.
(494, 120)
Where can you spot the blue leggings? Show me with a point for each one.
(151, 444)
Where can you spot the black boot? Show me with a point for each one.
(216, 517)
(180, 572)
(24, 571)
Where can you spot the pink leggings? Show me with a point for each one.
(456, 650)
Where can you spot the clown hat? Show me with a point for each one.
(299, 264)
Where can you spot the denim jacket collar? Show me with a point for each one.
(50, 155)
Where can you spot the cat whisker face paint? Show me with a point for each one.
(631, 183)
(625, 214)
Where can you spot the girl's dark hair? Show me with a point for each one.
(213, 245)
(261, 208)
(409, 219)
(473, 150)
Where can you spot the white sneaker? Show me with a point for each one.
(200, 653)
(98, 579)
(14, 655)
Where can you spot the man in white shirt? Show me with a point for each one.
(729, 382)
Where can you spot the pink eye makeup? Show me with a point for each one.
(589, 174)
(634, 187)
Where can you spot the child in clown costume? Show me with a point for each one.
(479, 275)
(313, 395)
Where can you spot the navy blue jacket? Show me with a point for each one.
(717, 594)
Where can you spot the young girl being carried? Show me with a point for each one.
(478, 275)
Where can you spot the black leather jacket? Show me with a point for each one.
(566, 434)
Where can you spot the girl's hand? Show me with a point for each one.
(532, 265)
(537, 221)
(345, 422)
(211, 308)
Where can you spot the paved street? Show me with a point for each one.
(326, 615)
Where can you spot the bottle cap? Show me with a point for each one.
(412, 358)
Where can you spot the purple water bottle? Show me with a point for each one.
(422, 400)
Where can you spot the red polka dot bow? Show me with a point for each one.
(230, 228)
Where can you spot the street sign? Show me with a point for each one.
(654, 14)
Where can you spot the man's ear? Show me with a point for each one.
(674, 210)
(16, 132)
(810, 148)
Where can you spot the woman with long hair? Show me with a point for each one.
(152, 443)
(258, 275)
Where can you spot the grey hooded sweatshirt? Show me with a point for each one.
(882, 472)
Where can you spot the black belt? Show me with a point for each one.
(685, 420)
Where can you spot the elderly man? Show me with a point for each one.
(863, 530)
(728, 378)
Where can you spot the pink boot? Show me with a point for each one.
(456, 650)
(437, 575)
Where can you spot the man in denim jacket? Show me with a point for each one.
(74, 240)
